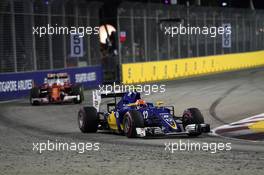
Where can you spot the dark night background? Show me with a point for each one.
(108, 12)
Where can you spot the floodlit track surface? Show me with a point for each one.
(222, 99)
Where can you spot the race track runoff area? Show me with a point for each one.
(223, 99)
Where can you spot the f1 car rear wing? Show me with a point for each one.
(98, 95)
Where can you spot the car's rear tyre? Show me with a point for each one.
(88, 120)
(78, 91)
(132, 120)
(193, 116)
(34, 93)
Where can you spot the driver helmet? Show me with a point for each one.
(141, 103)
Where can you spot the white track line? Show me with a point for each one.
(10, 101)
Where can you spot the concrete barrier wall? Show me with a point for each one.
(183, 68)
(17, 85)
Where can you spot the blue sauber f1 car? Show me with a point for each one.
(134, 117)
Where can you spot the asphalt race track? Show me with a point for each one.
(222, 99)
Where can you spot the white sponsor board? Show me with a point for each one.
(85, 77)
(13, 85)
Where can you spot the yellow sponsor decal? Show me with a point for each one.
(189, 67)
(173, 125)
(257, 127)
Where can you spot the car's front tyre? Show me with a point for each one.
(78, 91)
(88, 120)
(132, 120)
(193, 116)
(34, 93)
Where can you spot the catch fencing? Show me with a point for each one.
(143, 26)
(23, 51)
(140, 29)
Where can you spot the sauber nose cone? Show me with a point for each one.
(169, 120)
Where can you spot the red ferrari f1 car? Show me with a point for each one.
(56, 89)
